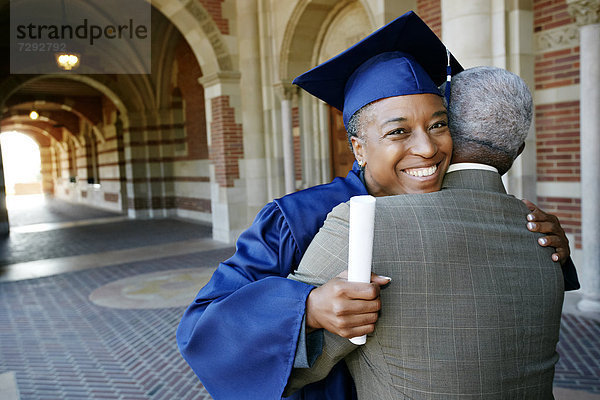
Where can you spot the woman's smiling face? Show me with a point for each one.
(405, 144)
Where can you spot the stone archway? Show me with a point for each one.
(65, 118)
(349, 25)
(302, 43)
(325, 151)
(200, 31)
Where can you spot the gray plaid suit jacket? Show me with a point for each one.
(473, 309)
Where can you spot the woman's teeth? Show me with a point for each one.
(422, 171)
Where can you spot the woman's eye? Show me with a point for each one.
(399, 131)
(438, 125)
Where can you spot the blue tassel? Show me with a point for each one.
(448, 78)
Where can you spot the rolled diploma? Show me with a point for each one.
(360, 244)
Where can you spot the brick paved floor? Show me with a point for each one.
(60, 345)
(579, 348)
(21, 247)
(37, 209)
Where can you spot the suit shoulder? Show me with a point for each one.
(342, 211)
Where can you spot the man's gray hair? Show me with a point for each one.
(490, 107)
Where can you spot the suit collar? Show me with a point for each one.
(474, 179)
(466, 165)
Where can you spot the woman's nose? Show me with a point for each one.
(424, 145)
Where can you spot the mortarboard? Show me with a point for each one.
(401, 58)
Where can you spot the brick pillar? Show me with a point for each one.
(139, 201)
(226, 149)
(47, 169)
(430, 11)
(587, 14)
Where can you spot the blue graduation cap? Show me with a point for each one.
(401, 58)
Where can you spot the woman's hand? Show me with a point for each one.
(348, 309)
(542, 222)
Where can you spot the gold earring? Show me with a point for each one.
(361, 163)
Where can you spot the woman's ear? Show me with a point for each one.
(359, 149)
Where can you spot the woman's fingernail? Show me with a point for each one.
(530, 217)
(385, 277)
(530, 225)
(543, 241)
(554, 257)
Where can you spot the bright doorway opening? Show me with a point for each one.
(22, 164)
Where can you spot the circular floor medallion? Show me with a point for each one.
(164, 289)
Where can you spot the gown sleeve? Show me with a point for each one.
(240, 333)
(570, 275)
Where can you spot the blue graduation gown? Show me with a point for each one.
(241, 332)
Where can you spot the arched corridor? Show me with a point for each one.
(148, 179)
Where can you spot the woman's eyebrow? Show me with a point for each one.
(441, 113)
(392, 120)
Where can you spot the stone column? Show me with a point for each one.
(587, 14)
(310, 138)
(286, 92)
(322, 116)
(384, 11)
(4, 225)
(498, 33)
(254, 163)
(513, 50)
(467, 31)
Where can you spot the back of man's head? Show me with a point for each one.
(490, 115)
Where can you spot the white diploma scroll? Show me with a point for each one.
(360, 249)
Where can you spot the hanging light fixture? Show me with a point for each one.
(34, 115)
(67, 61)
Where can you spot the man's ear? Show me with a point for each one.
(358, 148)
(520, 149)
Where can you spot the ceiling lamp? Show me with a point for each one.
(67, 61)
(34, 115)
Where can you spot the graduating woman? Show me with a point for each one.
(250, 325)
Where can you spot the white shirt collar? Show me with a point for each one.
(462, 166)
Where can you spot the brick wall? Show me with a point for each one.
(430, 11)
(192, 93)
(557, 68)
(557, 124)
(549, 14)
(227, 145)
(193, 204)
(47, 169)
(560, 67)
(557, 139)
(568, 212)
(215, 9)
